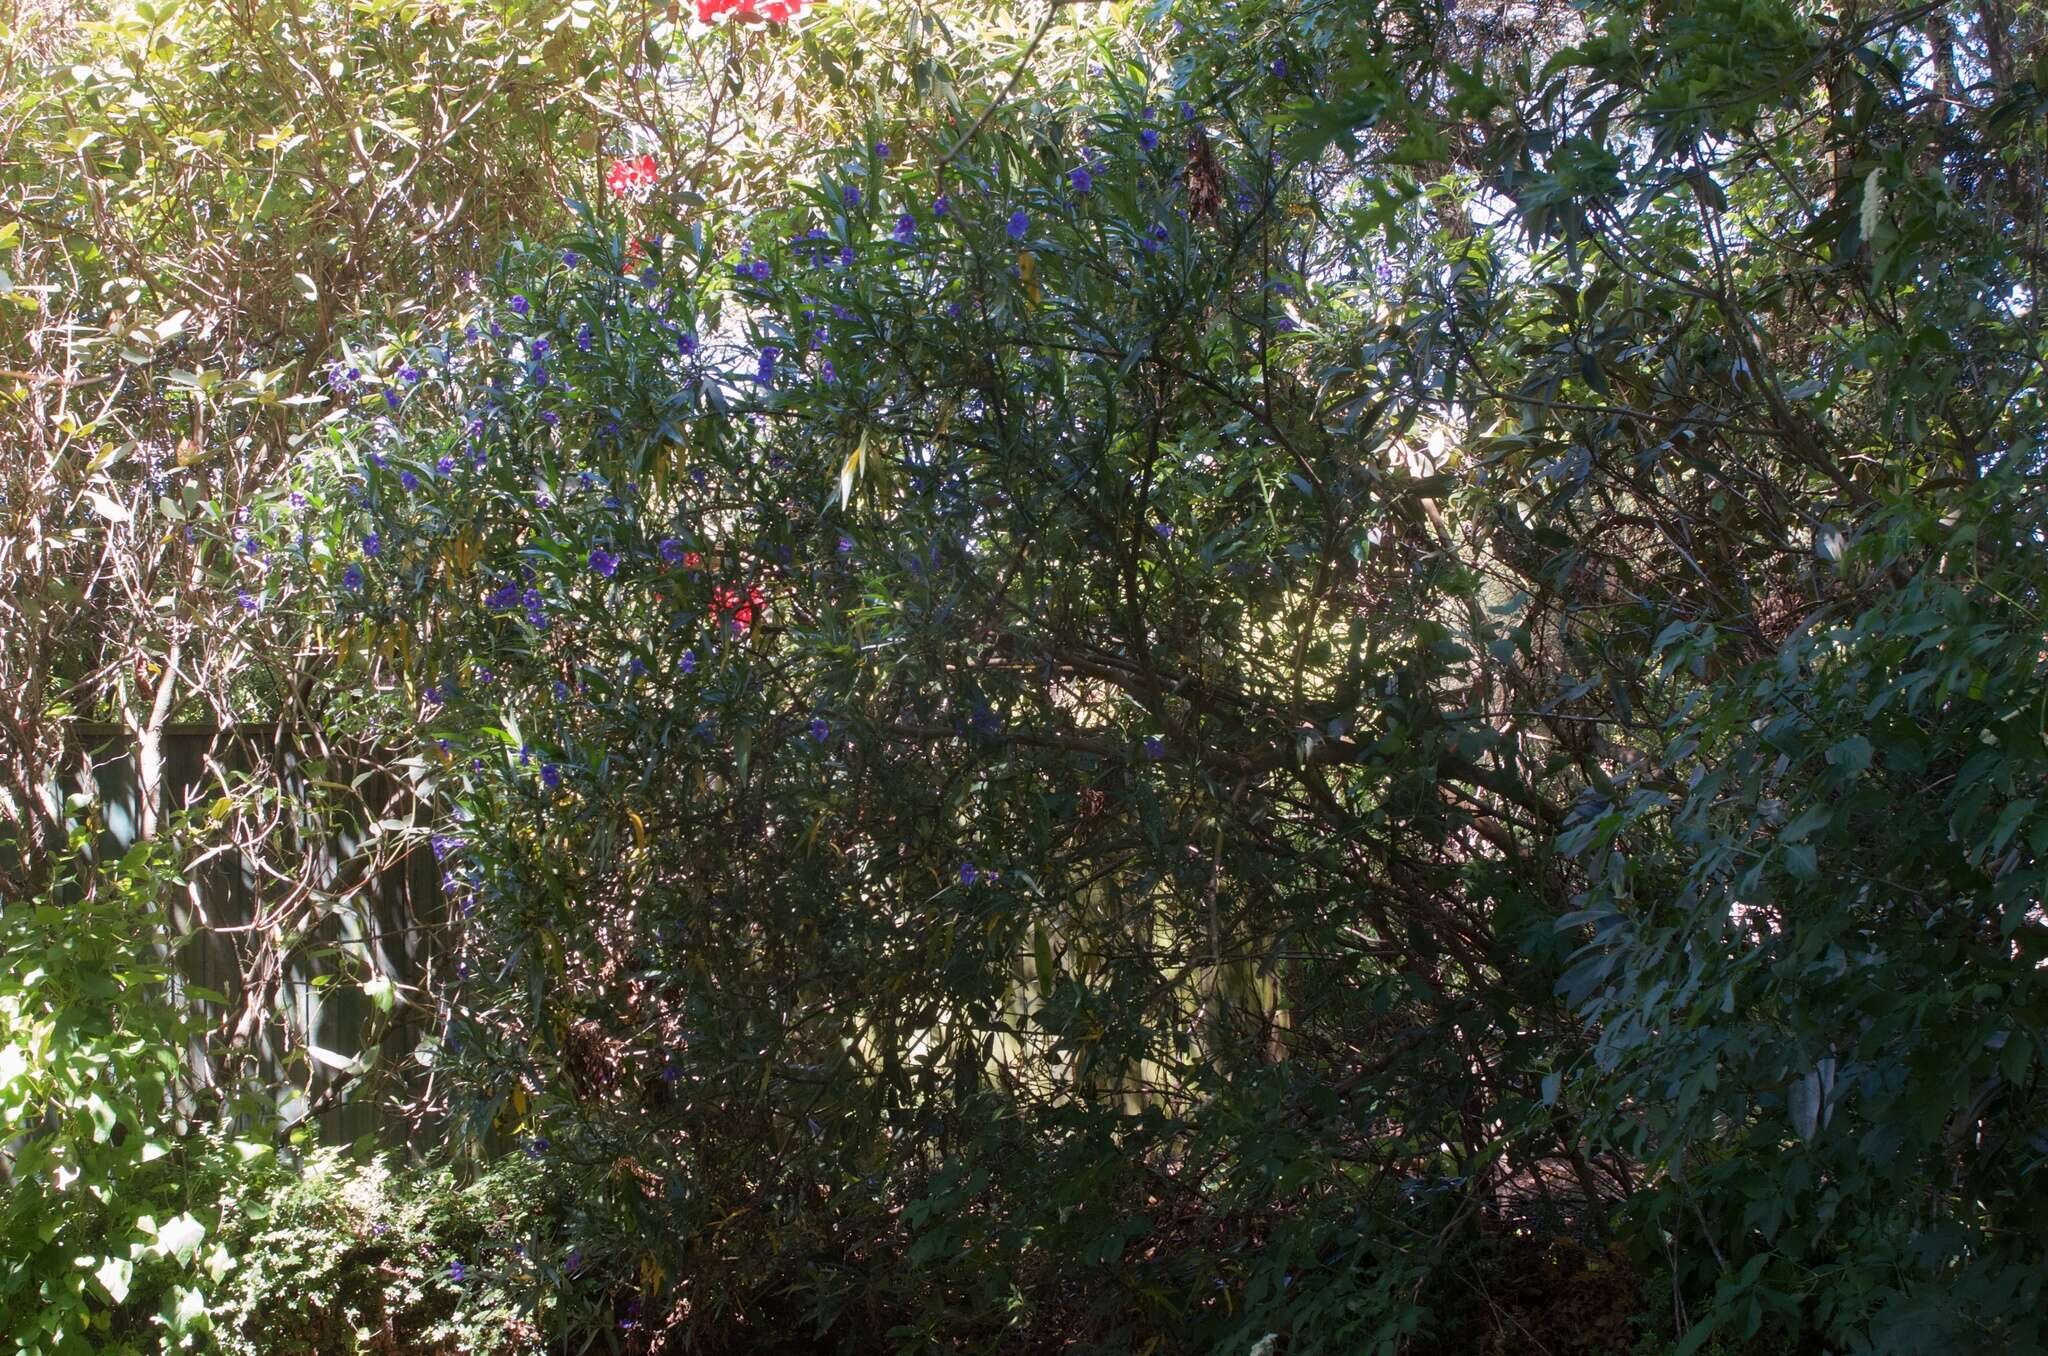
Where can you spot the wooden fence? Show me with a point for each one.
(389, 928)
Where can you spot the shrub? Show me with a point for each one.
(108, 1209)
(336, 1256)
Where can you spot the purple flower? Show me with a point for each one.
(688, 663)
(761, 270)
(1165, 530)
(1080, 177)
(941, 205)
(408, 480)
(246, 599)
(541, 348)
(1187, 110)
(1148, 138)
(455, 1272)
(846, 546)
(1279, 69)
(391, 397)
(550, 418)
(671, 550)
(352, 579)
(828, 372)
(1020, 222)
(881, 150)
(373, 546)
(445, 466)
(409, 374)
(850, 195)
(906, 229)
(968, 874)
(536, 1147)
(551, 776)
(584, 337)
(1154, 747)
(765, 372)
(686, 344)
(520, 305)
(604, 562)
(818, 729)
(570, 259)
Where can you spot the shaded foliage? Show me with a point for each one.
(1247, 672)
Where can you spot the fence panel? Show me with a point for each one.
(391, 928)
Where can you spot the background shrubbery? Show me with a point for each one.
(1278, 677)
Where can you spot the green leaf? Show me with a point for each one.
(1852, 755)
(180, 1236)
(114, 1276)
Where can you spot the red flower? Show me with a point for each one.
(692, 560)
(752, 11)
(634, 178)
(738, 607)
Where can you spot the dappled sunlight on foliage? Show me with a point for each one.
(1254, 677)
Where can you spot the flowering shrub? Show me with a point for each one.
(730, 583)
(1027, 721)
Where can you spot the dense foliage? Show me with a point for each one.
(1280, 677)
